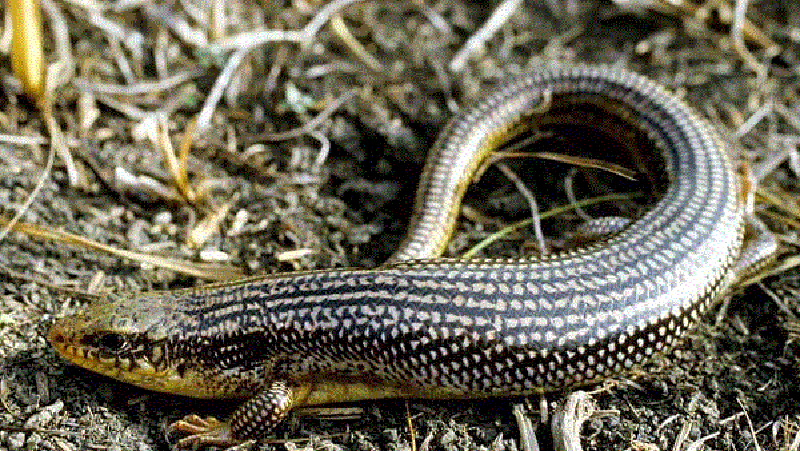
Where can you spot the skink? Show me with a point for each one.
(421, 326)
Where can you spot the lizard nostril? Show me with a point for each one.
(56, 335)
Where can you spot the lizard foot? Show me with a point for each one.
(203, 432)
(252, 420)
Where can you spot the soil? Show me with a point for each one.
(310, 160)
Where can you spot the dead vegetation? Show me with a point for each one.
(173, 143)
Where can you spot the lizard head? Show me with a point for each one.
(148, 341)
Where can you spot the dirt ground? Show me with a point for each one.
(306, 155)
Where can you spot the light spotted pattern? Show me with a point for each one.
(446, 328)
(257, 415)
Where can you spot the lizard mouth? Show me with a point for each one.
(75, 347)
(102, 353)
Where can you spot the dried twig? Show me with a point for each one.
(144, 87)
(246, 42)
(19, 140)
(181, 28)
(60, 33)
(340, 28)
(738, 41)
(208, 271)
(499, 16)
(311, 125)
(131, 39)
(531, 199)
(210, 104)
(29, 200)
(527, 432)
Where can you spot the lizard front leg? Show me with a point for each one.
(252, 420)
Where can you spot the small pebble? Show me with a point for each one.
(16, 441)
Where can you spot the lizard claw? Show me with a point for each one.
(203, 432)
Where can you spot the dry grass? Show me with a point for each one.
(254, 137)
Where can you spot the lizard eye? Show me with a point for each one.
(112, 343)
